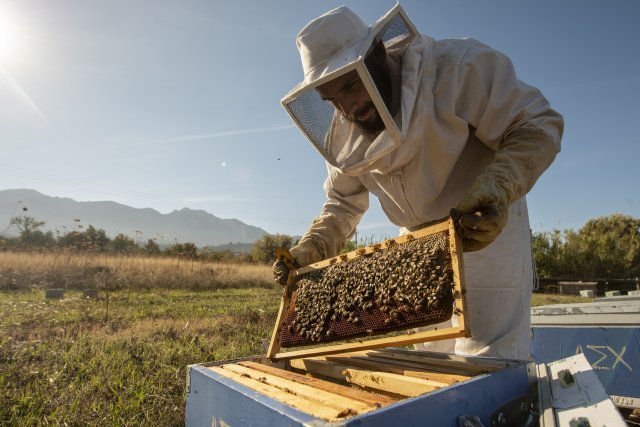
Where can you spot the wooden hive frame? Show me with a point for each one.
(275, 352)
(337, 387)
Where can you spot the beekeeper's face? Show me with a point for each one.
(348, 95)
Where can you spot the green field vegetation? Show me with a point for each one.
(122, 360)
(548, 299)
(62, 361)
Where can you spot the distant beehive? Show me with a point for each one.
(54, 293)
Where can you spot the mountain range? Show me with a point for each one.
(63, 215)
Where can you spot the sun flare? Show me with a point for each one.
(9, 39)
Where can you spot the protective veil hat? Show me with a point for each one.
(330, 46)
(330, 42)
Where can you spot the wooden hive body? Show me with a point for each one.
(367, 388)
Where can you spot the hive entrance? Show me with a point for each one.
(399, 284)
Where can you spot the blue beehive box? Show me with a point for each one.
(370, 388)
(366, 382)
(606, 331)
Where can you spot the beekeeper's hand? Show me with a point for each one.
(482, 214)
(280, 272)
(302, 255)
(521, 158)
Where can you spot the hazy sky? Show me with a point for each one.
(172, 104)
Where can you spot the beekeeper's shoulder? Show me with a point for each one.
(465, 51)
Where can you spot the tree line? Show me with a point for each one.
(92, 239)
(605, 247)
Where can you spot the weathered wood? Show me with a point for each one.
(363, 396)
(449, 367)
(460, 301)
(310, 407)
(436, 227)
(444, 371)
(400, 340)
(340, 403)
(430, 361)
(466, 360)
(382, 356)
(274, 346)
(383, 382)
(401, 368)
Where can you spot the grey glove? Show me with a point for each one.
(280, 272)
(520, 160)
(482, 214)
(302, 254)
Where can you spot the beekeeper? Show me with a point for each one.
(427, 126)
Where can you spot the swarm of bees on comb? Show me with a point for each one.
(395, 287)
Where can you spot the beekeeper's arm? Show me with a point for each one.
(516, 121)
(347, 201)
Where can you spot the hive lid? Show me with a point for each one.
(351, 298)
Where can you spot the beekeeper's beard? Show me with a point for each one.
(373, 125)
(382, 79)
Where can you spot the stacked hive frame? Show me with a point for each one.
(342, 386)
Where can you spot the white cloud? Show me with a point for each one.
(186, 138)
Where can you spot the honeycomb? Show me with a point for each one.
(402, 286)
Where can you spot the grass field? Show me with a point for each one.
(19, 270)
(122, 360)
(62, 361)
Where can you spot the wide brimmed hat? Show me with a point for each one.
(330, 42)
(332, 45)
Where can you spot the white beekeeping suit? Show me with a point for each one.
(459, 130)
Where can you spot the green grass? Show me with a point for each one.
(548, 299)
(83, 362)
(65, 361)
